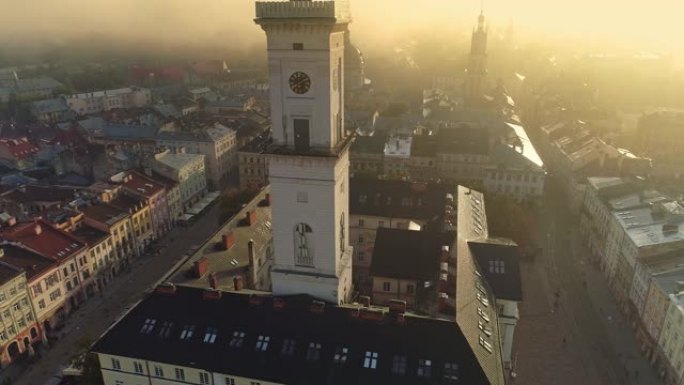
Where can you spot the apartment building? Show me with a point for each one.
(95, 102)
(188, 170)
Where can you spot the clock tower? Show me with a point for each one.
(309, 156)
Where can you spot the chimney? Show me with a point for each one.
(278, 303)
(228, 240)
(253, 265)
(267, 199)
(397, 306)
(317, 306)
(213, 281)
(365, 300)
(445, 253)
(211, 294)
(372, 315)
(166, 288)
(237, 283)
(250, 217)
(200, 267)
(255, 300)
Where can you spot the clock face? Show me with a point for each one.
(300, 82)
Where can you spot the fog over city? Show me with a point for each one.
(31, 27)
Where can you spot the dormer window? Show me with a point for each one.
(497, 266)
(399, 364)
(210, 335)
(340, 356)
(262, 343)
(370, 360)
(485, 344)
(187, 332)
(314, 352)
(148, 326)
(484, 328)
(165, 329)
(288, 347)
(482, 314)
(424, 368)
(237, 340)
(483, 300)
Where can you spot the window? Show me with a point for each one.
(118, 382)
(340, 356)
(230, 381)
(16, 306)
(371, 360)
(484, 328)
(360, 255)
(297, 46)
(399, 364)
(236, 341)
(496, 266)
(424, 368)
(55, 294)
(410, 289)
(3, 335)
(303, 236)
(158, 371)
(314, 352)
(450, 371)
(116, 364)
(13, 290)
(210, 335)
(148, 326)
(21, 322)
(485, 344)
(6, 313)
(360, 239)
(483, 300)
(137, 367)
(254, 383)
(165, 329)
(360, 222)
(262, 343)
(381, 223)
(186, 334)
(180, 374)
(41, 304)
(204, 378)
(386, 286)
(288, 347)
(482, 314)
(302, 197)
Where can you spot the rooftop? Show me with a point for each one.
(408, 254)
(398, 199)
(225, 264)
(291, 340)
(8, 272)
(90, 235)
(142, 184)
(44, 240)
(34, 264)
(525, 146)
(105, 213)
(178, 161)
(499, 262)
(19, 148)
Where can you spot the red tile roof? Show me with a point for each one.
(45, 240)
(141, 184)
(20, 148)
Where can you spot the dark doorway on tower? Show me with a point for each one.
(301, 132)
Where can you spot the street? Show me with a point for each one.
(570, 330)
(96, 315)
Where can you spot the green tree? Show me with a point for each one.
(91, 373)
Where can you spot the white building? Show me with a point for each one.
(216, 142)
(309, 161)
(95, 102)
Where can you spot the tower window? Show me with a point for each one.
(303, 235)
(370, 360)
(297, 46)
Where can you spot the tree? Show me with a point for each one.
(91, 374)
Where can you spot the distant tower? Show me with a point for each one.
(476, 72)
(309, 157)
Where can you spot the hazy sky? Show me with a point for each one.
(231, 20)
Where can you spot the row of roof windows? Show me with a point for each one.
(313, 353)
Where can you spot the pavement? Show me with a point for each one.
(93, 318)
(570, 329)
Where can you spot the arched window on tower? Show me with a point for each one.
(303, 239)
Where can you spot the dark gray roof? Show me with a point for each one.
(416, 338)
(499, 262)
(408, 254)
(398, 199)
(369, 144)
